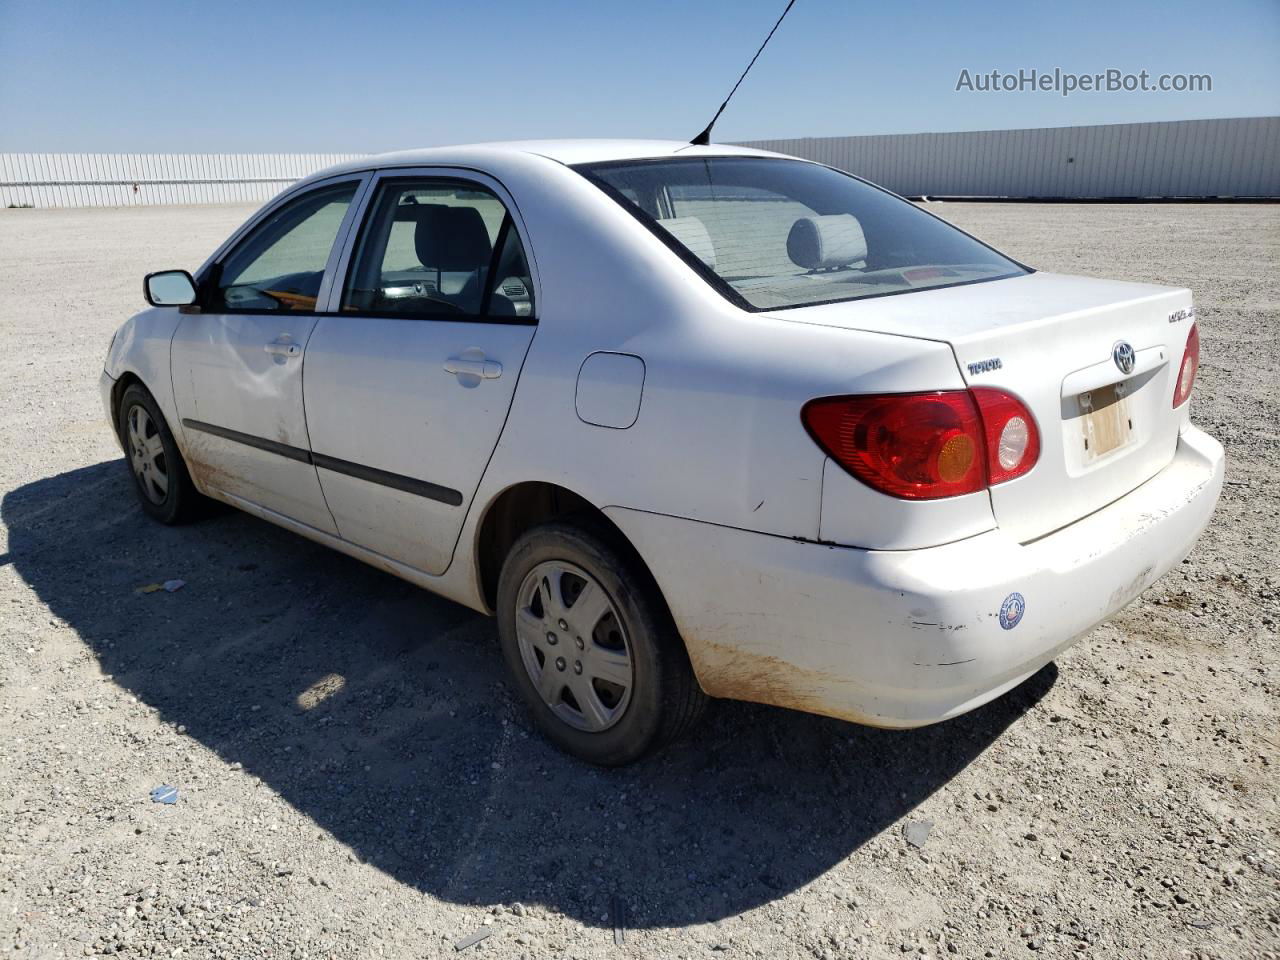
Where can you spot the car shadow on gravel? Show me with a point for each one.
(381, 713)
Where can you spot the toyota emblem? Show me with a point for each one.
(1122, 353)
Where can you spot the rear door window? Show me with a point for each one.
(438, 248)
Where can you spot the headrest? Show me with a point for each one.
(833, 241)
(692, 233)
(448, 238)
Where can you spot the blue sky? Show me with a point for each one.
(231, 76)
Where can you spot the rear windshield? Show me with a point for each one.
(776, 233)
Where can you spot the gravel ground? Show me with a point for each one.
(356, 780)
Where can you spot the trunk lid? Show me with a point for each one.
(1050, 340)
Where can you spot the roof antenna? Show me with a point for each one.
(704, 138)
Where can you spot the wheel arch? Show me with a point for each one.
(125, 381)
(521, 507)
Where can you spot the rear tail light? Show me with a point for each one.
(926, 446)
(1190, 365)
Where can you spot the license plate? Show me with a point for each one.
(1106, 424)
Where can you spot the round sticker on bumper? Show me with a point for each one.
(1011, 611)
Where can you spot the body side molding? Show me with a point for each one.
(421, 488)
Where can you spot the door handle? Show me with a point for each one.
(472, 366)
(283, 348)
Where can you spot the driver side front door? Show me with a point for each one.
(237, 362)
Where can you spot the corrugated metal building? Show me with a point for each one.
(1238, 157)
(127, 179)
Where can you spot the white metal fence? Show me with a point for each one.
(1232, 157)
(129, 179)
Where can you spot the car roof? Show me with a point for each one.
(561, 151)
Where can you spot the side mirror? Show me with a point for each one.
(169, 288)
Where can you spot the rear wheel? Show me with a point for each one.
(161, 481)
(591, 646)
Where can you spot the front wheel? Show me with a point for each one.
(164, 487)
(591, 646)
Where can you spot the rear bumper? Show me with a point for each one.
(912, 637)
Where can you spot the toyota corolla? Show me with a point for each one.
(690, 421)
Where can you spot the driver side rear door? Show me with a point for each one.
(411, 371)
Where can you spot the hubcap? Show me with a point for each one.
(573, 645)
(146, 454)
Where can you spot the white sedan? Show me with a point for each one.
(690, 421)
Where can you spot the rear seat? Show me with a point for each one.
(692, 233)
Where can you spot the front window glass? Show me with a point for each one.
(777, 233)
(280, 265)
(438, 248)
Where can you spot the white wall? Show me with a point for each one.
(127, 179)
(1186, 158)
(1235, 157)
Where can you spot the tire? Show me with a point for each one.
(160, 477)
(567, 660)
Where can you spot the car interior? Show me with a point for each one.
(425, 250)
(781, 233)
(281, 264)
(432, 251)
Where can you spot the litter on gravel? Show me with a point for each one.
(917, 832)
(165, 794)
(168, 586)
(619, 922)
(471, 939)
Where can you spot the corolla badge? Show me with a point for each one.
(1122, 353)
